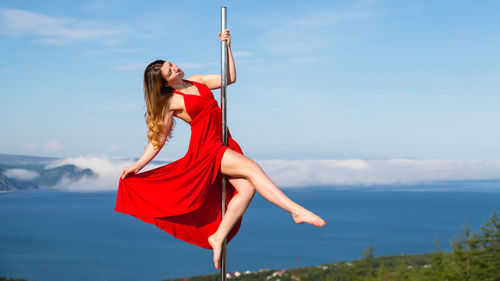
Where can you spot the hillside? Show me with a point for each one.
(21, 172)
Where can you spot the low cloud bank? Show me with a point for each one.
(300, 173)
(20, 174)
(303, 173)
(108, 171)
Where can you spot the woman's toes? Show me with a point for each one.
(217, 247)
(306, 216)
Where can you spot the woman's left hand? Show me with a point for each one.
(225, 37)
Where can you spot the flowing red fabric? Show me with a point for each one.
(184, 197)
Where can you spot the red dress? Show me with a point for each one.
(183, 198)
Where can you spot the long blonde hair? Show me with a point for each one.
(157, 96)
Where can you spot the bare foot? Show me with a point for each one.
(306, 216)
(217, 247)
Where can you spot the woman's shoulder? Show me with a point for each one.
(198, 82)
(196, 79)
(203, 89)
(211, 81)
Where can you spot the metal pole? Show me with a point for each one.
(223, 268)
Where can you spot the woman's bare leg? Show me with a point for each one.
(235, 164)
(235, 210)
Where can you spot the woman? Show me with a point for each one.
(183, 197)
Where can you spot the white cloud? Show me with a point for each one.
(20, 174)
(299, 173)
(108, 172)
(54, 30)
(53, 145)
(352, 164)
(302, 173)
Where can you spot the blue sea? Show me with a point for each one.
(54, 236)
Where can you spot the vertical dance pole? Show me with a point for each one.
(223, 267)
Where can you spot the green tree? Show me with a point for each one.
(366, 264)
(402, 273)
(490, 242)
(329, 277)
(438, 269)
(416, 274)
(383, 274)
(362, 269)
(465, 251)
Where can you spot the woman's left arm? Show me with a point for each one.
(213, 81)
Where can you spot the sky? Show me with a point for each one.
(315, 79)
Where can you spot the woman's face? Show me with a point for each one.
(171, 73)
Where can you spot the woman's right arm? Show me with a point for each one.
(148, 155)
(151, 151)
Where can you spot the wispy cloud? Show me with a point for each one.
(55, 30)
(20, 174)
(108, 173)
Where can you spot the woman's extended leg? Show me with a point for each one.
(235, 164)
(235, 210)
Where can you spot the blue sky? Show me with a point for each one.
(316, 79)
